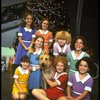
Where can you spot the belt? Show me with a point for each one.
(76, 92)
(26, 41)
(60, 88)
(23, 82)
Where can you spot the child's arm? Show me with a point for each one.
(84, 94)
(52, 84)
(18, 86)
(68, 89)
(21, 42)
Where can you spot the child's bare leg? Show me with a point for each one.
(40, 94)
(15, 96)
(62, 98)
(23, 96)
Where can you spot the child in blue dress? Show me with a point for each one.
(26, 33)
(34, 52)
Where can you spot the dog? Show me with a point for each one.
(45, 63)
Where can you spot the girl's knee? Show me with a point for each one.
(23, 96)
(15, 97)
(34, 91)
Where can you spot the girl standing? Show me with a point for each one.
(80, 83)
(57, 84)
(25, 35)
(47, 35)
(21, 76)
(34, 52)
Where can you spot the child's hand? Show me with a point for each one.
(37, 67)
(69, 98)
(30, 68)
(21, 91)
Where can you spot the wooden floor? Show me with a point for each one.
(7, 81)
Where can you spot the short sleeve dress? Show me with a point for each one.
(27, 35)
(48, 37)
(35, 76)
(58, 91)
(72, 60)
(22, 80)
(78, 86)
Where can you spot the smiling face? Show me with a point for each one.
(79, 45)
(45, 24)
(39, 42)
(28, 20)
(60, 67)
(25, 64)
(61, 42)
(83, 67)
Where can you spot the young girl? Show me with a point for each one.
(78, 44)
(25, 35)
(57, 84)
(62, 43)
(47, 35)
(21, 76)
(80, 83)
(34, 52)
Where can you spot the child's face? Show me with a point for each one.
(61, 42)
(83, 67)
(79, 44)
(28, 20)
(24, 65)
(60, 67)
(45, 24)
(39, 42)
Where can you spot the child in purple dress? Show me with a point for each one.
(25, 35)
(80, 83)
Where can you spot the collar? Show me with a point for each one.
(84, 79)
(22, 72)
(64, 48)
(26, 29)
(43, 32)
(39, 52)
(80, 56)
(56, 77)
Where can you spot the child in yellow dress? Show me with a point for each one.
(21, 75)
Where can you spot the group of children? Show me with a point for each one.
(72, 64)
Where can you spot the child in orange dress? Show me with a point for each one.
(21, 75)
(47, 35)
(57, 84)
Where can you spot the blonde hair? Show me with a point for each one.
(32, 45)
(63, 35)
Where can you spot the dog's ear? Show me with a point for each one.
(44, 52)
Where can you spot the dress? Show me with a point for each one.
(35, 76)
(22, 79)
(27, 35)
(72, 60)
(58, 91)
(78, 86)
(47, 35)
(57, 49)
